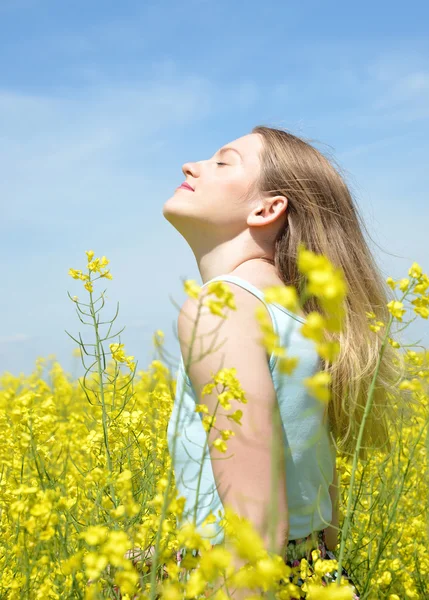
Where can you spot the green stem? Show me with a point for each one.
(200, 473)
(346, 524)
(103, 405)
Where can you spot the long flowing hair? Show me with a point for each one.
(321, 213)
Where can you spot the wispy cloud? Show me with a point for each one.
(15, 337)
(410, 90)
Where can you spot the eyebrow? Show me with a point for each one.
(222, 150)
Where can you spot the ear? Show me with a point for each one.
(267, 211)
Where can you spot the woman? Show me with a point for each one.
(243, 213)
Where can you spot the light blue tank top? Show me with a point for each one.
(309, 453)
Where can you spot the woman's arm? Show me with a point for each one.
(331, 532)
(243, 478)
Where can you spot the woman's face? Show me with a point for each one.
(219, 202)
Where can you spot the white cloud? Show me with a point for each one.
(409, 89)
(15, 337)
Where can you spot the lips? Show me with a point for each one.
(186, 186)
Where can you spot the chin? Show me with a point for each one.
(172, 213)
(167, 209)
(175, 206)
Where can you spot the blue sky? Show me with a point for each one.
(101, 103)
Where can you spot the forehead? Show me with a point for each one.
(249, 146)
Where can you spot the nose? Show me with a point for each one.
(189, 168)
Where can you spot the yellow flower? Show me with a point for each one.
(214, 562)
(75, 274)
(38, 510)
(195, 585)
(330, 592)
(201, 408)
(396, 308)
(423, 311)
(288, 364)
(309, 261)
(415, 271)
(329, 286)
(385, 579)
(328, 350)
(376, 326)
(414, 385)
(403, 284)
(236, 416)
(158, 338)
(314, 326)
(95, 563)
(209, 519)
(423, 285)
(220, 445)
(191, 288)
(395, 565)
(215, 307)
(226, 433)
(171, 591)
(118, 512)
(222, 291)
(284, 295)
(127, 581)
(268, 572)
(88, 286)
(129, 362)
(126, 475)
(318, 385)
(224, 399)
(90, 255)
(117, 351)
(25, 489)
(98, 264)
(315, 555)
(421, 301)
(47, 534)
(391, 283)
(207, 389)
(393, 343)
(241, 536)
(95, 535)
(118, 355)
(208, 421)
(116, 547)
(189, 537)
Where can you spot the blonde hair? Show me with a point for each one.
(321, 213)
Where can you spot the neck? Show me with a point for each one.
(259, 264)
(240, 254)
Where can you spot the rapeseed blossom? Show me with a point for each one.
(85, 480)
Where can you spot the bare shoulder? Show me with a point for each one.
(196, 322)
(245, 302)
(265, 280)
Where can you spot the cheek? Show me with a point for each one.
(231, 190)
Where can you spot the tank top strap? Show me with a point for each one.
(239, 281)
(256, 292)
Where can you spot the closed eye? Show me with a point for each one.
(221, 163)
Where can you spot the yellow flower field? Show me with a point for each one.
(86, 475)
